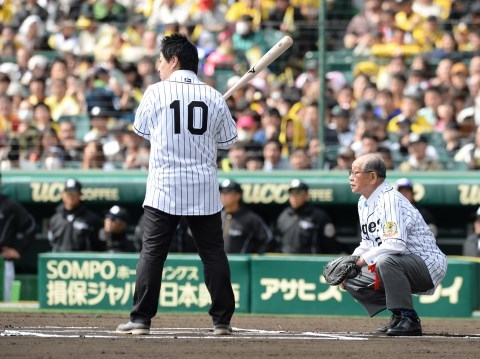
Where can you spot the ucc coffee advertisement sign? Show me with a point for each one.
(433, 188)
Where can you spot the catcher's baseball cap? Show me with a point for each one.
(117, 213)
(72, 185)
(298, 186)
(404, 182)
(229, 186)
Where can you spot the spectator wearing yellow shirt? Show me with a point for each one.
(409, 117)
(397, 46)
(59, 102)
(406, 19)
(429, 34)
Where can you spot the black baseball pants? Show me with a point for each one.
(159, 228)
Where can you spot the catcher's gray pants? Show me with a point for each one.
(400, 277)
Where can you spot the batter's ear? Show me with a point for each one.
(174, 63)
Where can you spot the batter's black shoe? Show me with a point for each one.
(222, 329)
(133, 328)
(394, 320)
(408, 327)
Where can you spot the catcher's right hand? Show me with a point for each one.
(340, 269)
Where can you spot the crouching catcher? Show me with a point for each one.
(398, 254)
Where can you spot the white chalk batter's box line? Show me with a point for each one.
(200, 333)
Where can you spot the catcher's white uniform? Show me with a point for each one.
(390, 224)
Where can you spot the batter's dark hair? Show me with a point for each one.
(376, 164)
(178, 45)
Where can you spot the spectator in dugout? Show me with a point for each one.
(114, 231)
(243, 230)
(302, 227)
(74, 227)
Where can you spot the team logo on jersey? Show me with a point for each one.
(186, 79)
(390, 230)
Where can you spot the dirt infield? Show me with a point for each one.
(72, 335)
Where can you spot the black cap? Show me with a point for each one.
(118, 213)
(298, 186)
(229, 186)
(72, 185)
(98, 111)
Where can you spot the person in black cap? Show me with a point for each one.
(304, 228)
(406, 187)
(243, 230)
(471, 246)
(74, 227)
(114, 231)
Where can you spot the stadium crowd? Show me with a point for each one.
(73, 72)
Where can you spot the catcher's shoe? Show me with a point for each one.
(406, 327)
(222, 329)
(133, 328)
(394, 320)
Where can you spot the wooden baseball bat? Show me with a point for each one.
(272, 54)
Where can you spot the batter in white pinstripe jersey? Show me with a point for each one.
(398, 252)
(186, 122)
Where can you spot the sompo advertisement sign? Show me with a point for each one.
(107, 281)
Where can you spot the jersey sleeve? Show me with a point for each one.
(227, 131)
(144, 113)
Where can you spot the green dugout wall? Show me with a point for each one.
(262, 284)
(452, 197)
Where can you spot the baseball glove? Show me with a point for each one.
(340, 269)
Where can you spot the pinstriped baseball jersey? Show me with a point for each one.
(390, 224)
(186, 122)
